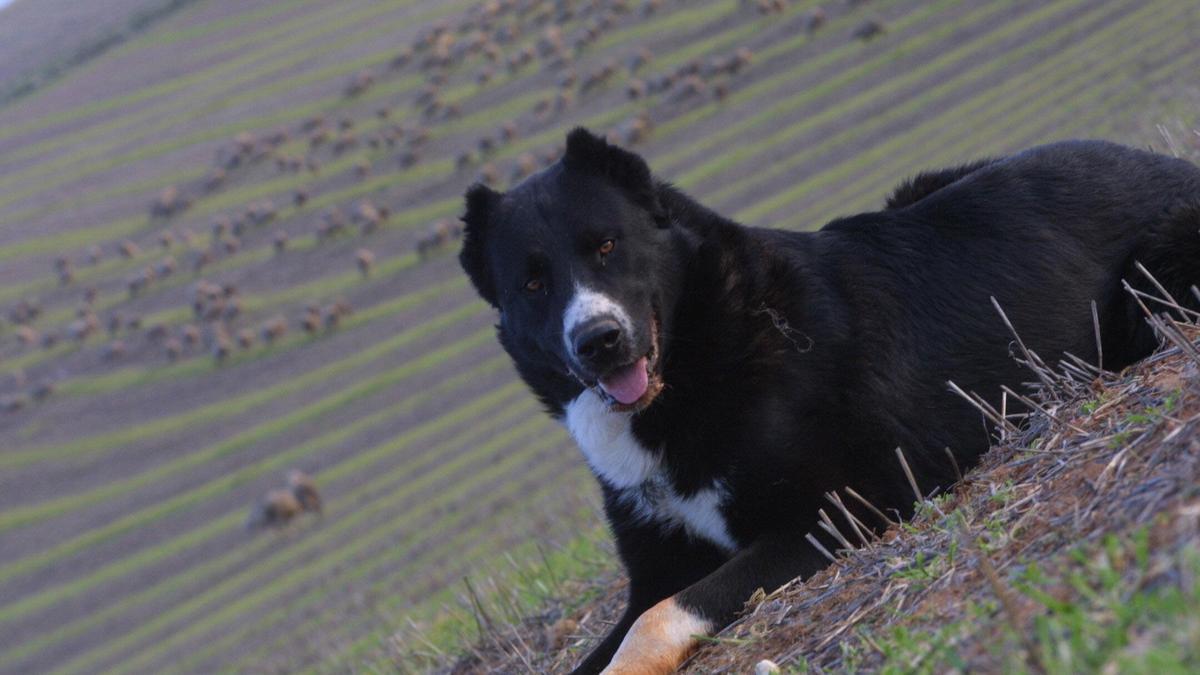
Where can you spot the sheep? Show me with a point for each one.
(280, 242)
(173, 349)
(300, 197)
(362, 169)
(133, 323)
(26, 335)
(189, 334)
(49, 339)
(79, 330)
(868, 30)
(311, 322)
(89, 295)
(276, 510)
(332, 315)
(640, 58)
(25, 311)
(13, 403)
(526, 164)
(129, 249)
(273, 329)
(245, 338)
(814, 19)
(166, 267)
(169, 202)
(232, 308)
(215, 179)
(231, 244)
(157, 332)
(114, 351)
(364, 259)
(362, 81)
(166, 240)
(42, 391)
(369, 218)
(304, 489)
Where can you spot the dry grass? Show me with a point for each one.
(1073, 547)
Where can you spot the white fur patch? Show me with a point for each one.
(607, 441)
(587, 304)
(614, 453)
(699, 514)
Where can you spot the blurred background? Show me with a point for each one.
(252, 416)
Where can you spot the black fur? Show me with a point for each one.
(794, 363)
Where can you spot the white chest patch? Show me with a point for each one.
(614, 453)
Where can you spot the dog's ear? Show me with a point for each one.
(481, 201)
(587, 152)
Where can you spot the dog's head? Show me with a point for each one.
(580, 262)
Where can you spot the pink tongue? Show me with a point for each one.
(628, 384)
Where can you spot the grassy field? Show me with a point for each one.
(126, 475)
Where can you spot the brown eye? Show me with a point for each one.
(533, 285)
(607, 246)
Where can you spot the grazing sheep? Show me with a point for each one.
(273, 329)
(173, 349)
(869, 30)
(463, 160)
(26, 336)
(217, 341)
(401, 59)
(369, 217)
(488, 174)
(332, 315)
(280, 242)
(304, 489)
(168, 202)
(13, 403)
(166, 267)
(300, 197)
(814, 19)
(232, 308)
(190, 335)
(42, 391)
(25, 311)
(79, 330)
(133, 323)
(215, 179)
(276, 510)
(311, 322)
(49, 339)
(245, 338)
(525, 165)
(166, 240)
(114, 351)
(200, 260)
(231, 244)
(157, 332)
(362, 169)
(129, 249)
(364, 259)
(361, 82)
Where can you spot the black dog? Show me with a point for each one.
(721, 379)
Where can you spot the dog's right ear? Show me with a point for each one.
(481, 202)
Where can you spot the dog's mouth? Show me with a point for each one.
(633, 386)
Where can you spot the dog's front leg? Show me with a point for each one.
(664, 635)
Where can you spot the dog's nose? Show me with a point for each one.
(597, 341)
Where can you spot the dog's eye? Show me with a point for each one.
(534, 285)
(607, 246)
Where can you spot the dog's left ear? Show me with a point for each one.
(587, 152)
(481, 202)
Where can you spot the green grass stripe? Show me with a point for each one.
(973, 140)
(330, 560)
(463, 413)
(850, 68)
(242, 439)
(946, 61)
(480, 551)
(586, 555)
(24, 516)
(128, 378)
(235, 405)
(988, 102)
(245, 68)
(469, 548)
(129, 225)
(199, 30)
(508, 411)
(367, 561)
(465, 544)
(196, 111)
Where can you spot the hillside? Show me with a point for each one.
(227, 251)
(1073, 548)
